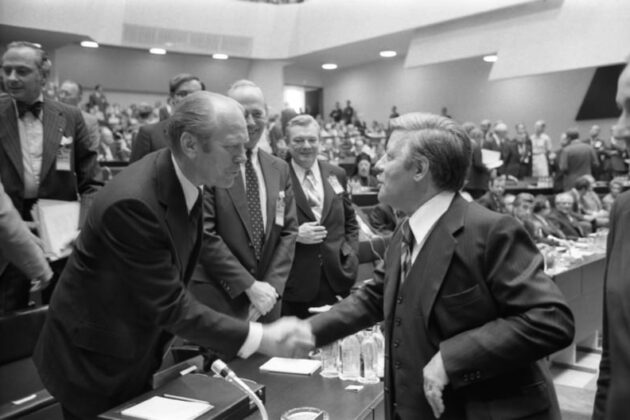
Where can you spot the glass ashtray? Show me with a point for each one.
(305, 413)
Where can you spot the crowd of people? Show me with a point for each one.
(227, 241)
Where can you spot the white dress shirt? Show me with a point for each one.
(191, 192)
(424, 219)
(31, 131)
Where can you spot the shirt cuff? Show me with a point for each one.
(252, 342)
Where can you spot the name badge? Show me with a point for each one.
(280, 205)
(336, 186)
(63, 154)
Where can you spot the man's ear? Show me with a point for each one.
(189, 144)
(422, 168)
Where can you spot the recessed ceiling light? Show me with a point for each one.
(388, 53)
(89, 44)
(158, 51)
(37, 44)
(220, 56)
(490, 58)
(329, 66)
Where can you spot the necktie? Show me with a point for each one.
(312, 197)
(34, 108)
(253, 205)
(406, 249)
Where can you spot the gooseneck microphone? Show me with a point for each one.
(221, 369)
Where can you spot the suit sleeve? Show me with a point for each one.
(282, 259)
(141, 145)
(351, 226)
(533, 317)
(155, 282)
(17, 244)
(86, 163)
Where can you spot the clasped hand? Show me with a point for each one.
(262, 295)
(311, 233)
(287, 337)
(434, 381)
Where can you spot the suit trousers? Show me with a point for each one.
(325, 296)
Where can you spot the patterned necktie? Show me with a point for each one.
(253, 205)
(406, 249)
(312, 197)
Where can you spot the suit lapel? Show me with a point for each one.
(300, 199)
(272, 185)
(329, 193)
(392, 274)
(239, 199)
(10, 136)
(54, 125)
(171, 195)
(434, 259)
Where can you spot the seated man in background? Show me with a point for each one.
(493, 199)
(564, 218)
(152, 137)
(615, 188)
(326, 255)
(362, 177)
(522, 211)
(589, 204)
(540, 213)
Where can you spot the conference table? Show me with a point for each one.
(285, 391)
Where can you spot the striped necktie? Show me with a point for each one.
(253, 205)
(312, 196)
(406, 249)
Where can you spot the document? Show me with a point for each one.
(294, 366)
(58, 225)
(160, 408)
(491, 158)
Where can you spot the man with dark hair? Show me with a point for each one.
(152, 137)
(249, 228)
(326, 255)
(45, 151)
(469, 313)
(71, 93)
(577, 158)
(123, 294)
(613, 385)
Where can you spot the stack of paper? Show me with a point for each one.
(295, 366)
(58, 225)
(160, 408)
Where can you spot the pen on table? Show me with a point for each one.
(177, 397)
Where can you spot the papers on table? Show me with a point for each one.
(294, 366)
(491, 158)
(58, 225)
(160, 408)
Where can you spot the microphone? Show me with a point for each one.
(221, 369)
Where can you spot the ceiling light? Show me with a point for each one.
(158, 51)
(220, 56)
(89, 44)
(329, 66)
(490, 58)
(37, 44)
(388, 53)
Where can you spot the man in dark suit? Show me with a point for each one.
(494, 198)
(613, 384)
(469, 312)
(71, 93)
(123, 293)
(326, 255)
(45, 151)
(577, 159)
(152, 137)
(564, 218)
(249, 228)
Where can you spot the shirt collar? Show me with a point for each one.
(191, 191)
(422, 220)
(301, 172)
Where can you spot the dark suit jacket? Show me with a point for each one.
(227, 265)
(577, 159)
(492, 202)
(123, 293)
(613, 384)
(569, 226)
(511, 158)
(57, 120)
(477, 292)
(150, 137)
(337, 256)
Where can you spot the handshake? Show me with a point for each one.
(287, 337)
